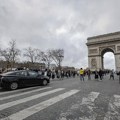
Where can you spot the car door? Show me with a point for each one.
(39, 79)
(33, 77)
(24, 78)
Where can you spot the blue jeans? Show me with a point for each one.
(82, 77)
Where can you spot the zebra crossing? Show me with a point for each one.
(24, 93)
(114, 108)
(86, 107)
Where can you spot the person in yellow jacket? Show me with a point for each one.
(81, 74)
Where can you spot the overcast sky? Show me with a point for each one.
(65, 24)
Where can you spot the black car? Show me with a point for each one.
(15, 79)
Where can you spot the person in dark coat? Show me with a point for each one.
(89, 74)
(100, 74)
(49, 73)
(119, 77)
(96, 74)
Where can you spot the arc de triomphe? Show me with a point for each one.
(99, 45)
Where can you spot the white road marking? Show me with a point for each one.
(24, 93)
(38, 107)
(86, 106)
(16, 102)
(117, 100)
(113, 109)
(89, 102)
(20, 90)
(90, 99)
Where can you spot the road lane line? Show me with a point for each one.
(24, 93)
(88, 104)
(84, 107)
(117, 100)
(113, 109)
(16, 102)
(38, 107)
(18, 90)
(91, 98)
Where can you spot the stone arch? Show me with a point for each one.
(105, 50)
(99, 45)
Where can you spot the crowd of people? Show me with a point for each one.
(60, 74)
(98, 75)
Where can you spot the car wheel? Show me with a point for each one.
(13, 86)
(44, 82)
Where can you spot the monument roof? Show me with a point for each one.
(104, 35)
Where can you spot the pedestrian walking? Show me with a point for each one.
(53, 74)
(74, 74)
(96, 75)
(49, 73)
(45, 72)
(81, 74)
(89, 74)
(101, 74)
(119, 77)
(112, 75)
(62, 74)
(59, 74)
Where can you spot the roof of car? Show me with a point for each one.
(6, 73)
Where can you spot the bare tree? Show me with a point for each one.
(57, 55)
(14, 52)
(6, 56)
(31, 54)
(47, 58)
(10, 54)
(40, 55)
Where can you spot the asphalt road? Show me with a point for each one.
(68, 99)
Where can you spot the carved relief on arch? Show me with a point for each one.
(93, 51)
(112, 47)
(93, 63)
(118, 48)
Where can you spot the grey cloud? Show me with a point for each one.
(66, 24)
